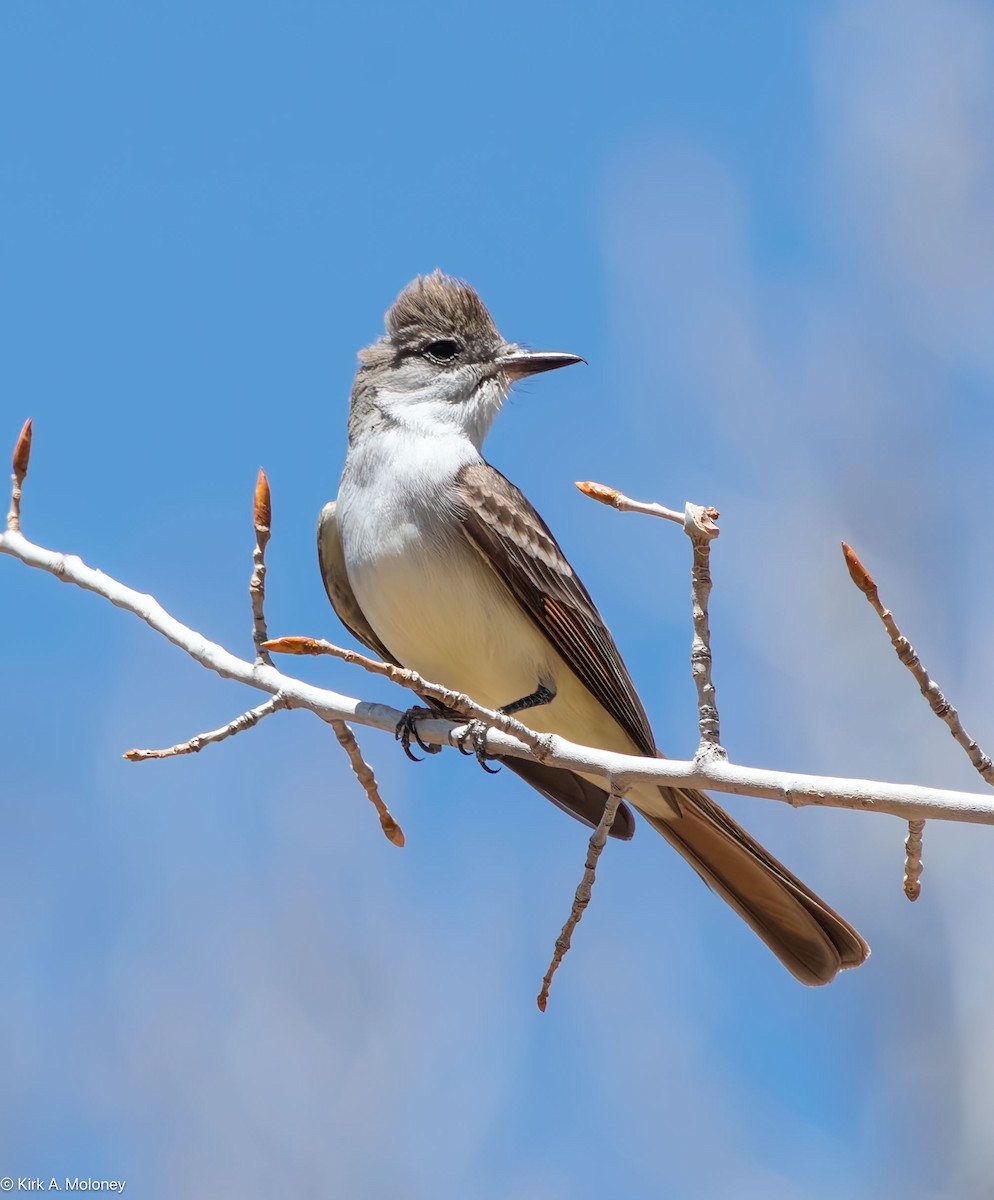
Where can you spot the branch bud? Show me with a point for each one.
(262, 510)
(599, 491)
(22, 451)
(292, 645)
(393, 831)
(861, 577)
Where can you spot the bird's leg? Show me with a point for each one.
(541, 695)
(476, 731)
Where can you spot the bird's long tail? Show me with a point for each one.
(812, 941)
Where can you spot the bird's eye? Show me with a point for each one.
(443, 351)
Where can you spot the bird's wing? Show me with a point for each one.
(572, 793)
(507, 531)
(331, 558)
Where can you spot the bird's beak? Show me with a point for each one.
(517, 363)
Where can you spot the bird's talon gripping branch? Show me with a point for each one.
(407, 728)
(473, 740)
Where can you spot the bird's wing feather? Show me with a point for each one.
(331, 558)
(503, 526)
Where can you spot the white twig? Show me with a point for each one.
(364, 773)
(700, 525)
(913, 860)
(906, 653)
(611, 496)
(262, 517)
(582, 898)
(196, 744)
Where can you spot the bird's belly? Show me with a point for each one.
(447, 616)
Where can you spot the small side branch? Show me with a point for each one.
(598, 839)
(700, 525)
(615, 499)
(913, 860)
(906, 653)
(196, 744)
(262, 516)
(364, 773)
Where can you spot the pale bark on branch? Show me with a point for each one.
(620, 771)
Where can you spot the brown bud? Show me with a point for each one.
(291, 645)
(861, 577)
(22, 451)
(599, 491)
(262, 508)
(393, 831)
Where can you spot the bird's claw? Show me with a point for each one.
(407, 728)
(475, 735)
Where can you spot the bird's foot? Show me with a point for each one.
(473, 740)
(407, 728)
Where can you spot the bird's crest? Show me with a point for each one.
(438, 306)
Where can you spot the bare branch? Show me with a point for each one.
(262, 510)
(906, 653)
(907, 801)
(364, 773)
(700, 526)
(597, 842)
(196, 744)
(913, 860)
(611, 496)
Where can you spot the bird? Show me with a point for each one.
(438, 563)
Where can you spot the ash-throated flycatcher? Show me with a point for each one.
(438, 563)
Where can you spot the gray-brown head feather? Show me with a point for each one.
(430, 308)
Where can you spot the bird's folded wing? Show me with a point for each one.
(331, 558)
(503, 526)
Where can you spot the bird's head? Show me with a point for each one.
(442, 364)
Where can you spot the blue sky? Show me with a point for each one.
(768, 230)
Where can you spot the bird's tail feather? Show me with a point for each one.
(812, 941)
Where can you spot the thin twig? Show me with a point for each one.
(700, 526)
(262, 515)
(913, 860)
(906, 653)
(611, 496)
(364, 773)
(196, 744)
(597, 842)
(453, 701)
(19, 468)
